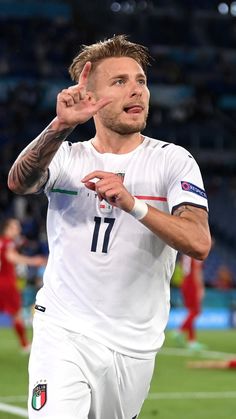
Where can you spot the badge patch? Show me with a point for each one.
(189, 187)
(39, 396)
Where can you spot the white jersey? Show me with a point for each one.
(108, 276)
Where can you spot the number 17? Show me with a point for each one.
(110, 222)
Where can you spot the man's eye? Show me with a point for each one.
(119, 81)
(142, 81)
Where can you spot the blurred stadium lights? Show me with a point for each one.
(129, 6)
(134, 6)
(224, 8)
(115, 7)
(233, 8)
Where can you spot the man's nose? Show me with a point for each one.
(136, 89)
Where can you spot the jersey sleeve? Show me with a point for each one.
(57, 165)
(184, 179)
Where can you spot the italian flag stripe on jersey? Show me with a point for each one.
(39, 396)
(65, 191)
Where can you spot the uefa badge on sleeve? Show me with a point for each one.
(39, 396)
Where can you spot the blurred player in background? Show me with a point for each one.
(10, 297)
(120, 206)
(214, 364)
(192, 289)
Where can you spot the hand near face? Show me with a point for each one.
(76, 104)
(110, 187)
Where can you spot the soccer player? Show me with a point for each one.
(120, 207)
(192, 289)
(213, 364)
(10, 298)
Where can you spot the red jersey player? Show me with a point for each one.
(10, 299)
(214, 364)
(192, 289)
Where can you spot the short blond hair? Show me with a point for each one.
(117, 46)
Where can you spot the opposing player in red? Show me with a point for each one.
(192, 289)
(214, 364)
(10, 298)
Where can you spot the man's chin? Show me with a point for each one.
(126, 129)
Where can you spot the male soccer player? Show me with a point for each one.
(192, 289)
(10, 298)
(120, 206)
(214, 364)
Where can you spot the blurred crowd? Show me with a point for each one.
(192, 82)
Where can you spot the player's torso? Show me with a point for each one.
(143, 171)
(107, 275)
(94, 242)
(7, 270)
(77, 215)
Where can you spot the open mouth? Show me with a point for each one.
(133, 109)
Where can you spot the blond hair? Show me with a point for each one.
(117, 46)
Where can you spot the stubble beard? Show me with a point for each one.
(123, 128)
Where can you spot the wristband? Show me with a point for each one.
(139, 209)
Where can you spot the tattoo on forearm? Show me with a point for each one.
(30, 169)
(181, 209)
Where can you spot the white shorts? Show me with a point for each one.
(74, 377)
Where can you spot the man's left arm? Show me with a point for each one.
(187, 230)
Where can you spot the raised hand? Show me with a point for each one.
(110, 187)
(76, 105)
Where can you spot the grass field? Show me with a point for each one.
(177, 392)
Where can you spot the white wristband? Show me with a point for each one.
(139, 209)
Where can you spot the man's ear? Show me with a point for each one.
(91, 97)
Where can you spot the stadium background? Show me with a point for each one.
(193, 103)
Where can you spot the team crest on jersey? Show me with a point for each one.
(105, 207)
(189, 187)
(39, 396)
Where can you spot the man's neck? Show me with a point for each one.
(116, 143)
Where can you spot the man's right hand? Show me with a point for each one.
(76, 105)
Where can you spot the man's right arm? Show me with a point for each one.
(75, 105)
(29, 172)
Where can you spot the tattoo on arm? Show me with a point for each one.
(182, 209)
(29, 172)
(198, 213)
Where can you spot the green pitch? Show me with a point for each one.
(177, 392)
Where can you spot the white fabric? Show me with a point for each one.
(139, 210)
(84, 379)
(108, 276)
